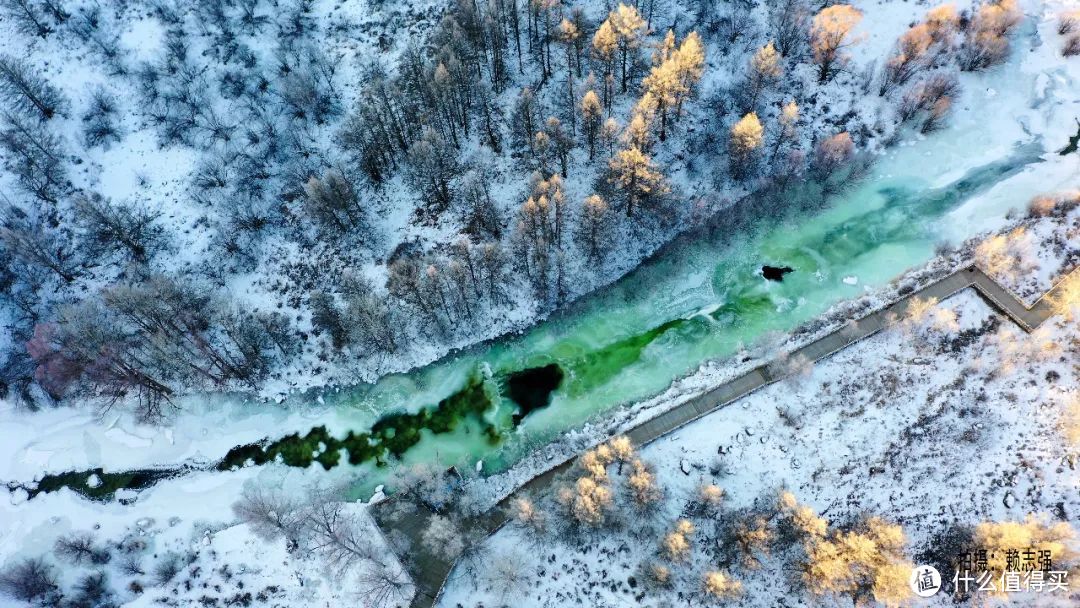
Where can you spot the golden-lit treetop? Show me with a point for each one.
(867, 559)
(829, 32)
(789, 117)
(915, 42)
(595, 204)
(630, 165)
(664, 48)
(719, 585)
(766, 62)
(942, 20)
(604, 42)
(590, 105)
(628, 24)
(747, 134)
(997, 538)
(996, 18)
(691, 58)
(621, 447)
(568, 32)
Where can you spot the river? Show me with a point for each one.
(707, 299)
(700, 301)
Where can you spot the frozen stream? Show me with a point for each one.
(707, 299)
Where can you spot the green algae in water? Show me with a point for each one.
(393, 434)
(599, 366)
(108, 483)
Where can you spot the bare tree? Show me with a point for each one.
(369, 318)
(332, 201)
(35, 155)
(30, 580)
(29, 239)
(384, 585)
(25, 91)
(100, 119)
(28, 17)
(340, 537)
(432, 167)
(119, 227)
(167, 569)
(507, 574)
(78, 547)
(93, 590)
(789, 23)
(270, 513)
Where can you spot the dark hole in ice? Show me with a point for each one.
(531, 388)
(775, 273)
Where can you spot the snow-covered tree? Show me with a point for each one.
(637, 177)
(591, 119)
(830, 34)
(745, 140)
(630, 29)
(765, 69)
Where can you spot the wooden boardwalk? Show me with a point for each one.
(430, 572)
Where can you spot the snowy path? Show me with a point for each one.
(430, 571)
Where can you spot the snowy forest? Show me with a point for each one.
(269, 195)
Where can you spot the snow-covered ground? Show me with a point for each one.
(1034, 255)
(949, 422)
(190, 523)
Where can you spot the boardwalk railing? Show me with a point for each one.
(430, 572)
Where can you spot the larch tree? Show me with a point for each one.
(561, 142)
(637, 176)
(664, 49)
(1002, 539)
(630, 28)
(644, 490)
(332, 201)
(588, 502)
(638, 132)
(746, 138)
(568, 35)
(609, 134)
(675, 72)
(27, 17)
(830, 34)
(676, 545)
(865, 562)
(753, 535)
(25, 91)
(591, 119)
(788, 127)
(432, 167)
(605, 44)
(709, 499)
(765, 69)
(526, 117)
(662, 92)
(720, 586)
(592, 232)
(526, 514)
(690, 60)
